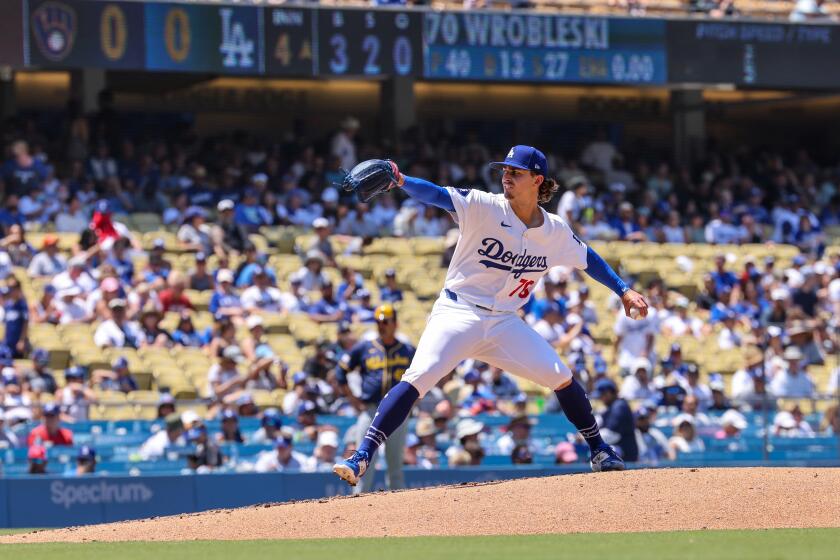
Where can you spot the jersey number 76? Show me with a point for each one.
(523, 289)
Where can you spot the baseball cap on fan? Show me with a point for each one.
(524, 157)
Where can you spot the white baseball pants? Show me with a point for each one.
(457, 330)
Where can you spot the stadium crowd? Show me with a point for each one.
(214, 193)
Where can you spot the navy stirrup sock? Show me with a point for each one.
(391, 413)
(579, 412)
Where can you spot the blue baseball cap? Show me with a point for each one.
(306, 407)
(229, 414)
(51, 409)
(282, 442)
(604, 384)
(271, 417)
(299, 377)
(10, 376)
(40, 356)
(74, 372)
(6, 358)
(524, 157)
(471, 376)
(194, 433)
(599, 364)
(643, 411)
(86, 453)
(120, 363)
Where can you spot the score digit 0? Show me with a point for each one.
(113, 32)
(176, 34)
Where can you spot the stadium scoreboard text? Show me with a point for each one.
(754, 54)
(301, 41)
(554, 48)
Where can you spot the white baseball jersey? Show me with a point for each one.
(498, 260)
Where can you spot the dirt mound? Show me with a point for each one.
(640, 500)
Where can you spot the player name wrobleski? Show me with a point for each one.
(519, 31)
(519, 264)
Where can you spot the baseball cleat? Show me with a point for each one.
(352, 469)
(606, 459)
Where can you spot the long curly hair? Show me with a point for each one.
(547, 189)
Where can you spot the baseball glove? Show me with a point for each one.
(371, 177)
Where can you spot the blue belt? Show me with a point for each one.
(454, 297)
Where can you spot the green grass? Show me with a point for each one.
(799, 544)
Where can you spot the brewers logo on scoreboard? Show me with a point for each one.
(54, 27)
(86, 34)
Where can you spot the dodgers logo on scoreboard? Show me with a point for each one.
(237, 47)
(54, 26)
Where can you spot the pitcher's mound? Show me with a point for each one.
(639, 500)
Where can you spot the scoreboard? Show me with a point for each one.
(754, 54)
(293, 40)
(369, 43)
(544, 48)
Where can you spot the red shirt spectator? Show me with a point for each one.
(50, 430)
(173, 298)
(170, 301)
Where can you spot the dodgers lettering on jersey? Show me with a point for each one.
(498, 260)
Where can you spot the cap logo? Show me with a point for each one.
(511, 152)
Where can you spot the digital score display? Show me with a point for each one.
(369, 42)
(544, 48)
(288, 42)
(754, 54)
(86, 33)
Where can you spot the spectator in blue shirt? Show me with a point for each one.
(390, 292)
(363, 312)
(185, 334)
(502, 385)
(723, 278)
(157, 269)
(254, 262)
(122, 264)
(249, 213)
(626, 224)
(328, 308)
(9, 214)
(225, 301)
(22, 170)
(15, 318)
(118, 378)
(351, 284)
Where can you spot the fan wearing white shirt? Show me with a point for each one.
(792, 381)
(118, 332)
(679, 324)
(634, 338)
(573, 202)
(69, 306)
(638, 386)
(282, 459)
(262, 297)
(685, 438)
